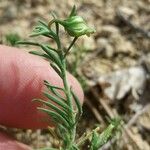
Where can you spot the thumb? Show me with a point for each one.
(21, 80)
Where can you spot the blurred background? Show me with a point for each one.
(113, 65)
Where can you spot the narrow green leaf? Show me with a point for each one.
(37, 33)
(40, 29)
(54, 90)
(56, 24)
(77, 102)
(49, 85)
(53, 55)
(52, 49)
(43, 23)
(54, 107)
(56, 69)
(39, 54)
(57, 28)
(73, 12)
(48, 36)
(58, 102)
(55, 115)
(62, 131)
(94, 140)
(28, 43)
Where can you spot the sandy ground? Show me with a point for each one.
(121, 42)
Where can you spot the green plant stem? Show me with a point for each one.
(57, 28)
(71, 112)
(58, 43)
(72, 43)
(66, 86)
(72, 131)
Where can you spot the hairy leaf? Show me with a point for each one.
(54, 107)
(54, 90)
(39, 54)
(77, 102)
(73, 11)
(55, 115)
(58, 102)
(56, 69)
(53, 55)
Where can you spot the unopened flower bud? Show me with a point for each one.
(76, 26)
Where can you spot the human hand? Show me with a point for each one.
(21, 80)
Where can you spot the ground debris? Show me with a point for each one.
(113, 64)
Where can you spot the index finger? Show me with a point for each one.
(21, 80)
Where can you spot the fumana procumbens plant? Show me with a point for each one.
(66, 110)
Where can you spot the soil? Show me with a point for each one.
(121, 41)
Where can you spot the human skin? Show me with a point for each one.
(21, 80)
(8, 143)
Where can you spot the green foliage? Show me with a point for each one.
(12, 38)
(66, 110)
(74, 25)
(99, 140)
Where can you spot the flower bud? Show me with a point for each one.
(76, 26)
